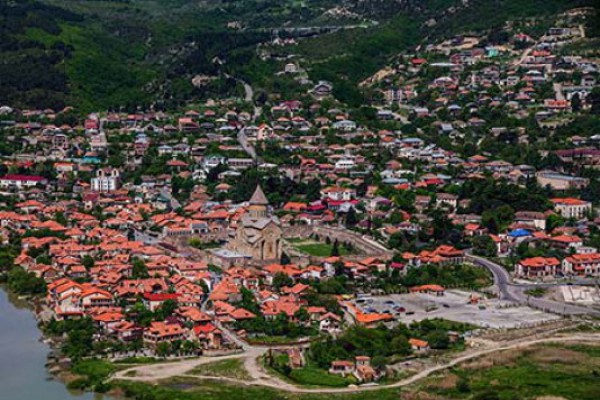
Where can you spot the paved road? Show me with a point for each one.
(248, 148)
(502, 279)
(241, 136)
(507, 290)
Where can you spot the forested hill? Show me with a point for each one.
(132, 53)
(31, 72)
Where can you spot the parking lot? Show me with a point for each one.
(454, 305)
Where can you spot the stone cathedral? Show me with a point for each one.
(259, 233)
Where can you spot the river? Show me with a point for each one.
(23, 375)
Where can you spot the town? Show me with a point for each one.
(311, 242)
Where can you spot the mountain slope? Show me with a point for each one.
(128, 53)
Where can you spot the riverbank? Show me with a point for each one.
(23, 372)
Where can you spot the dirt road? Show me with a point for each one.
(158, 372)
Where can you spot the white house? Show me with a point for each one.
(338, 193)
(21, 181)
(106, 180)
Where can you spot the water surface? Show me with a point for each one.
(23, 375)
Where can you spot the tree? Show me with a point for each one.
(397, 240)
(61, 219)
(280, 280)
(400, 345)
(379, 362)
(302, 315)
(285, 259)
(88, 262)
(441, 224)
(339, 267)
(463, 385)
(554, 221)
(484, 246)
(79, 336)
(248, 301)
(438, 339)
(25, 283)
(335, 249)
(351, 218)
(213, 174)
(313, 190)
(594, 99)
(496, 219)
(488, 394)
(163, 349)
(576, 103)
(166, 309)
(139, 269)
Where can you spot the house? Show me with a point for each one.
(364, 372)
(107, 321)
(361, 369)
(11, 181)
(161, 332)
(330, 323)
(534, 219)
(559, 181)
(94, 297)
(153, 301)
(344, 125)
(341, 367)
(291, 68)
(582, 264)
(471, 230)
(446, 199)
(538, 267)
(127, 331)
(368, 320)
(209, 336)
(418, 345)
(338, 193)
(322, 89)
(566, 242)
(572, 208)
(435, 290)
(106, 180)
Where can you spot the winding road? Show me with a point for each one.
(508, 290)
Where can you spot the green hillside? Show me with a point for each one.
(100, 54)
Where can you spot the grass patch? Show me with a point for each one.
(572, 372)
(233, 368)
(198, 389)
(317, 249)
(139, 360)
(313, 376)
(273, 340)
(536, 292)
(94, 369)
(92, 374)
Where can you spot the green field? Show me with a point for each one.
(317, 249)
(312, 376)
(197, 389)
(570, 372)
